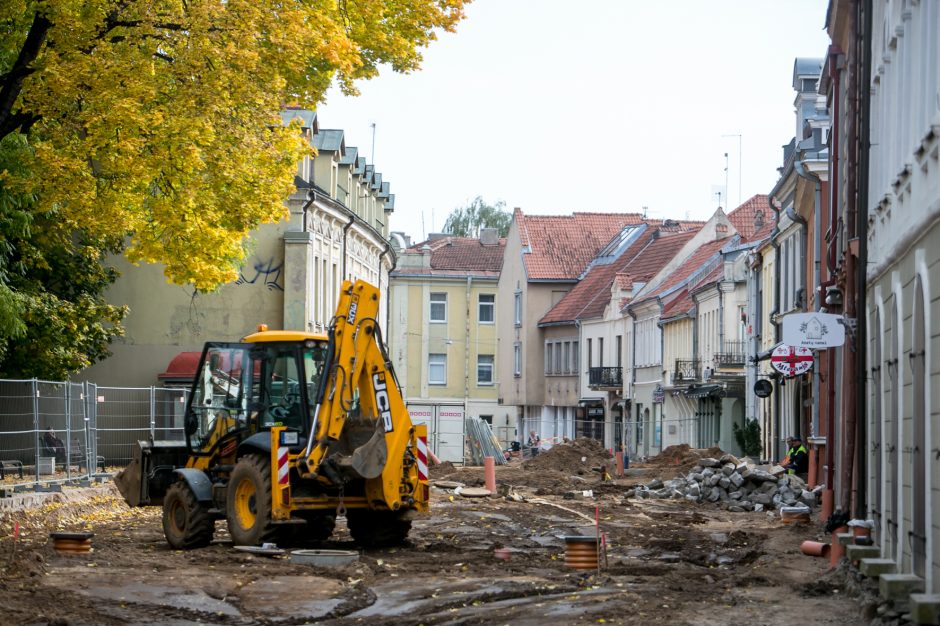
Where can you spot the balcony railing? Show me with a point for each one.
(733, 355)
(611, 377)
(686, 371)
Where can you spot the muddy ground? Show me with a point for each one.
(496, 560)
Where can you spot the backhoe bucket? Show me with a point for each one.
(368, 460)
(129, 481)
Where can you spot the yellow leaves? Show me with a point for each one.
(158, 119)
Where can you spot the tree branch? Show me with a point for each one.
(13, 81)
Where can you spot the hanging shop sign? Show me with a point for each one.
(813, 330)
(763, 388)
(659, 394)
(791, 360)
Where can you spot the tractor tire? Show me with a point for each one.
(186, 523)
(248, 502)
(377, 529)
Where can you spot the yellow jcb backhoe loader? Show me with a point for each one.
(286, 430)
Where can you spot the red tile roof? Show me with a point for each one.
(680, 306)
(452, 256)
(639, 262)
(754, 219)
(696, 261)
(561, 246)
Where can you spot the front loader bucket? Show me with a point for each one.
(130, 480)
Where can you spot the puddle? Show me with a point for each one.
(318, 597)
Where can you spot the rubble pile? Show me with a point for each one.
(735, 485)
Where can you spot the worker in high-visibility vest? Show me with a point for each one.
(797, 461)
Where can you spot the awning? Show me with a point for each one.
(704, 391)
(182, 367)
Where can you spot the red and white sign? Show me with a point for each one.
(791, 360)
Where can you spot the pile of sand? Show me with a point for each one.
(573, 457)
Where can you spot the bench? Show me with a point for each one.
(80, 458)
(11, 465)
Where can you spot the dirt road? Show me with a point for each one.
(666, 560)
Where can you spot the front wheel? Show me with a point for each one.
(186, 523)
(248, 502)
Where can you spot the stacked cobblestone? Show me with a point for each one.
(737, 486)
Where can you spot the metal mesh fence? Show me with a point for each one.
(58, 431)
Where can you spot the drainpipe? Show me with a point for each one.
(751, 361)
(817, 219)
(352, 219)
(835, 77)
(636, 423)
(861, 225)
(773, 241)
(466, 349)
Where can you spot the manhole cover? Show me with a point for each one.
(265, 550)
(325, 558)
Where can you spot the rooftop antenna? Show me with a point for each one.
(644, 212)
(718, 193)
(372, 158)
(726, 178)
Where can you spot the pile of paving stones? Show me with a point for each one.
(735, 485)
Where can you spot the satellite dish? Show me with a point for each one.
(763, 388)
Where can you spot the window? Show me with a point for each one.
(558, 363)
(487, 308)
(574, 356)
(438, 307)
(487, 418)
(517, 359)
(548, 358)
(437, 369)
(589, 355)
(517, 315)
(619, 357)
(485, 369)
(566, 359)
(600, 352)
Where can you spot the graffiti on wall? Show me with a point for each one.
(267, 273)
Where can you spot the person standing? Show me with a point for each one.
(534, 442)
(797, 461)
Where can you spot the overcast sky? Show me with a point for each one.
(599, 105)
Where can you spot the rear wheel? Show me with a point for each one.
(186, 523)
(248, 502)
(377, 529)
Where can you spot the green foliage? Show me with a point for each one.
(748, 437)
(467, 221)
(53, 316)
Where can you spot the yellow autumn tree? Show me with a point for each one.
(157, 120)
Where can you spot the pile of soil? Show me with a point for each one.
(572, 457)
(682, 457)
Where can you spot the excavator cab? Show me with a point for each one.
(249, 387)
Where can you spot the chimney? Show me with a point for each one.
(489, 236)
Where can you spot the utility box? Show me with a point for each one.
(46, 465)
